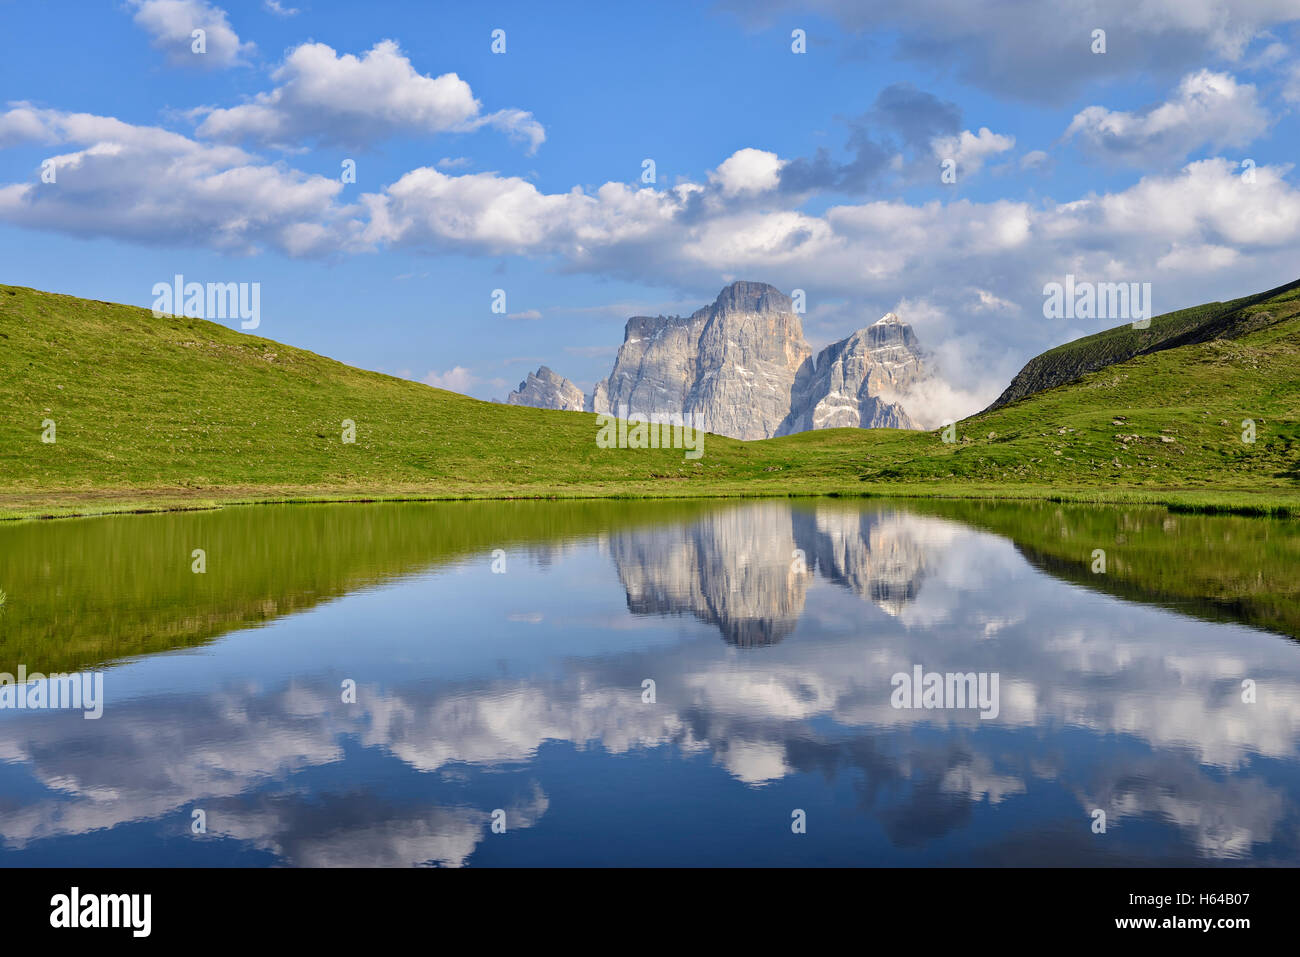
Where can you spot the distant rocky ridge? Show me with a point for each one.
(544, 389)
(847, 385)
(743, 364)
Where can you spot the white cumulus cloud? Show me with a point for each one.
(149, 185)
(1208, 108)
(171, 25)
(748, 171)
(970, 150)
(356, 100)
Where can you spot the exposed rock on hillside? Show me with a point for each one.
(733, 362)
(742, 363)
(545, 389)
(851, 382)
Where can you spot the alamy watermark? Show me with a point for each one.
(76, 909)
(1098, 300)
(658, 430)
(213, 300)
(36, 692)
(922, 689)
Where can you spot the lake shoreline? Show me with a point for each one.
(88, 503)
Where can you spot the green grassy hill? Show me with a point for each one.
(176, 412)
(1213, 320)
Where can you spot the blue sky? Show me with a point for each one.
(522, 170)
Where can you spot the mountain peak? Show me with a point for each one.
(743, 296)
(545, 389)
(890, 330)
(743, 363)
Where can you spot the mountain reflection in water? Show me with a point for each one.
(748, 570)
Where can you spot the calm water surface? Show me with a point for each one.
(770, 631)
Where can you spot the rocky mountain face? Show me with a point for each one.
(545, 389)
(734, 362)
(851, 382)
(743, 364)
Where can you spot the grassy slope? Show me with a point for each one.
(178, 412)
(1074, 359)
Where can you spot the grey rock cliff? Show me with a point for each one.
(742, 364)
(598, 401)
(854, 383)
(733, 362)
(544, 389)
